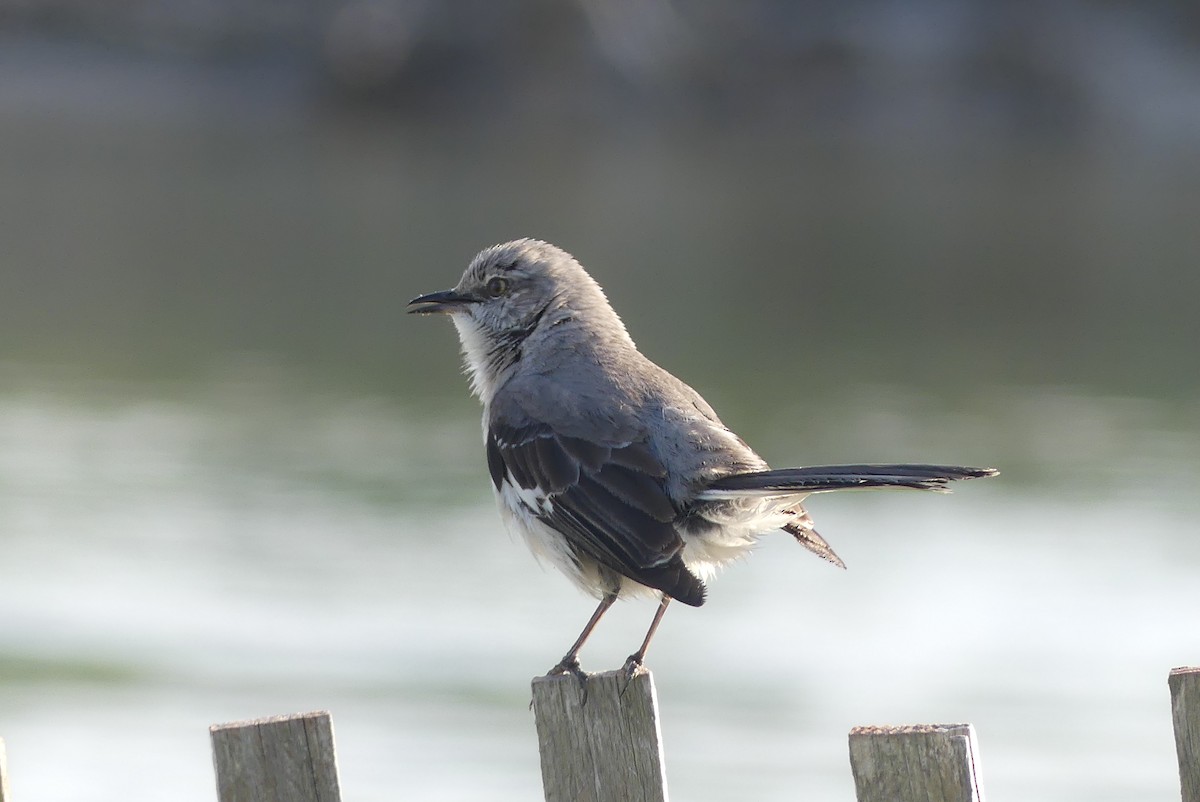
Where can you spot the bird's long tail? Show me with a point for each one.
(823, 478)
(799, 482)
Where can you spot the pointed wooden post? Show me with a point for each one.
(918, 763)
(277, 759)
(601, 743)
(1184, 683)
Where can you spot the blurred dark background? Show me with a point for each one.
(920, 191)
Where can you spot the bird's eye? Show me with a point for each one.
(496, 287)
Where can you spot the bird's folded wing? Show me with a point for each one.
(607, 499)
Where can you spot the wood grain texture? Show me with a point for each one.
(1184, 683)
(920, 763)
(603, 744)
(277, 759)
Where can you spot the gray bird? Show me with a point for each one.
(610, 468)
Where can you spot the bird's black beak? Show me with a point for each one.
(439, 303)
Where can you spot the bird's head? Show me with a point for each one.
(511, 296)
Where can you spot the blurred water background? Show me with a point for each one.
(235, 480)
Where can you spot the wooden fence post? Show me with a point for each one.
(1184, 683)
(603, 744)
(5, 796)
(277, 759)
(920, 763)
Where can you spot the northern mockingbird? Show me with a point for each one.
(610, 468)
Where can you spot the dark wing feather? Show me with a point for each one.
(638, 457)
(616, 530)
(589, 455)
(608, 501)
(636, 489)
(556, 470)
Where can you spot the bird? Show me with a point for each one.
(609, 467)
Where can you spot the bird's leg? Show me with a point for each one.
(634, 661)
(570, 662)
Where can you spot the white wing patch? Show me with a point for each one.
(534, 499)
(520, 510)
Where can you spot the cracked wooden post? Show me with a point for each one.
(606, 747)
(1184, 683)
(277, 759)
(919, 763)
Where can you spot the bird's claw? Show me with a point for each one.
(571, 666)
(568, 665)
(633, 666)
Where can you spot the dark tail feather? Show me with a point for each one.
(821, 478)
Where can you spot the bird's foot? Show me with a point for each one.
(633, 666)
(570, 665)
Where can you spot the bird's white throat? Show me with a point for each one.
(476, 348)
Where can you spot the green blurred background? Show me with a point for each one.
(236, 480)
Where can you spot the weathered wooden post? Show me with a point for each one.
(602, 743)
(277, 759)
(5, 796)
(918, 763)
(1184, 683)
